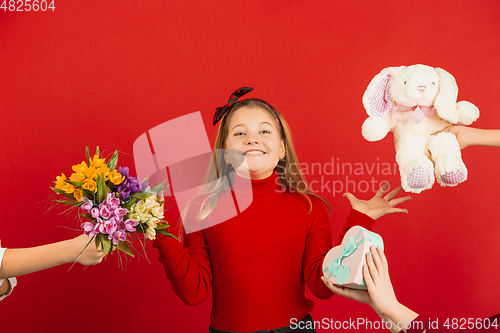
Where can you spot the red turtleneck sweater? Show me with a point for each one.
(257, 262)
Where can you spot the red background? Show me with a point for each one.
(104, 72)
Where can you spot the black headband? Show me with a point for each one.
(233, 99)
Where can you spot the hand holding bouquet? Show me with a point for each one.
(115, 204)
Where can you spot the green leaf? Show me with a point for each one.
(67, 202)
(61, 192)
(97, 241)
(160, 187)
(161, 225)
(111, 187)
(166, 233)
(97, 151)
(107, 246)
(101, 191)
(113, 161)
(87, 152)
(141, 196)
(88, 194)
(125, 248)
(88, 216)
(77, 184)
(128, 205)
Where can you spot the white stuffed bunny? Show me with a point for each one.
(415, 102)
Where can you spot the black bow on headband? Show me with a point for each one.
(221, 111)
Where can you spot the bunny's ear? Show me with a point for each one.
(377, 97)
(446, 99)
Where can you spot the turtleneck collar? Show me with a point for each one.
(266, 185)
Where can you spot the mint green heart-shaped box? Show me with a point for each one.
(343, 264)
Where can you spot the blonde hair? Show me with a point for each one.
(216, 182)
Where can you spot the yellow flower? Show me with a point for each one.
(77, 177)
(96, 162)
(68, 188)
(90, 185)
(60, 182)
(91, 173)
(115, 177)
(78, 195)
(103, 170)
(80, 168)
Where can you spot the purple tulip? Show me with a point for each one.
(129, 185)
(123, 171)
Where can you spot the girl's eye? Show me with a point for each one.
(265, 132)
(238, 134)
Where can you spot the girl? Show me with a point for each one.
(16, 262)
(259, 261)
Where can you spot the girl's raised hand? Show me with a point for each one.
(379, 205)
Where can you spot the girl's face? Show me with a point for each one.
(253, 135)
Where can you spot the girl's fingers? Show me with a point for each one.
(397, 201)
(393, 193)
(397, 210)
(383, 189)
(338, 290)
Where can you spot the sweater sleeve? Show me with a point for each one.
(187, 267)
(318, 243)
(356, 218)
(12, 280)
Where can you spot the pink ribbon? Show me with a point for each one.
(419, 112)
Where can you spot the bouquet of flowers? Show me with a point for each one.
(114, 203)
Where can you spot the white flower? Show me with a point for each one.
(157, 211)
(139, 207)
(152, 222)
(151, 200)
(151, 233)
(135, 217)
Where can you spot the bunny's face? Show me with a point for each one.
(415, 85)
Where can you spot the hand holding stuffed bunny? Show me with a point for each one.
(415, 103)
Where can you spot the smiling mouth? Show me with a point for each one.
(254, 153)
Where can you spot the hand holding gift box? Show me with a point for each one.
(343, 265)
